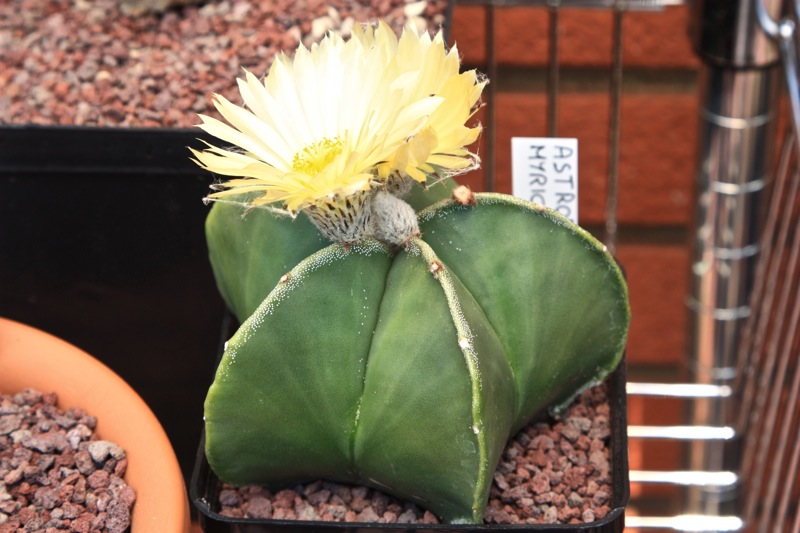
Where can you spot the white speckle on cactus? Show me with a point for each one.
(464, 344)
(476, 429)
(293, 280)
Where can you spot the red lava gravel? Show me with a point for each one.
(550, 473)
(84, 62)
(55, 475)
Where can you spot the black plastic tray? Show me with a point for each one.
(102, 244)
(204, 487)
(92, 150)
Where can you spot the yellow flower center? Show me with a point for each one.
(315, 157)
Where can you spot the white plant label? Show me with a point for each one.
(544, 170)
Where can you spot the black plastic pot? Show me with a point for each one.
(204, 492)
(102, 244)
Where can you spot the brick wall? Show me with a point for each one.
(657, 160)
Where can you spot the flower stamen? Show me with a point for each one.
(312, 159)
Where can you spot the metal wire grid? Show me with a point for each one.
(769, 412)
(553, 82)
(768, 387)
(763, 383)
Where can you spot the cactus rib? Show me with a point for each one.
(465, 344)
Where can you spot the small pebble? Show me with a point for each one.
(229, 498)
(600, 497)
(9, 424)
(540, 484)
(100, 450)
(575, 500)
(367, 515)
(259, 507)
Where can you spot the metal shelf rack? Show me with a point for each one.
(742, 427)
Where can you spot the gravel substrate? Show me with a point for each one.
(83, 62)
(55, 475)
(551, 472)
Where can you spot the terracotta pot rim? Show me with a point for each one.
(123, 417)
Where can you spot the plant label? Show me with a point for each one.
(544, 170)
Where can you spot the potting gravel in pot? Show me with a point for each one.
(397, 331)
(79, 449)
(55, 474)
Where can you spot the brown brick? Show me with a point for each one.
(650, 39)
(659, 39)
(658, 281)
(585, 37)
(468, 31)
(657, 152)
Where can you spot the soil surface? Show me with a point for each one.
(55, 474)
(84, 62)
(556, 471)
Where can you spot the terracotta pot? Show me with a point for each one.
(30, 358)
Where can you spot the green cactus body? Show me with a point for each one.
(407, 371)
(250, 251)
(563, 319)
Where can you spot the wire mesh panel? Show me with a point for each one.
(740, 431)
(768, 388)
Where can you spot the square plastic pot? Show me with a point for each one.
(204, 492)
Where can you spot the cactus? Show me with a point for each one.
(405, 368)
(404, 355)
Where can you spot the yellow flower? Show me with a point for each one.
(440, 148)
(328, 127)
